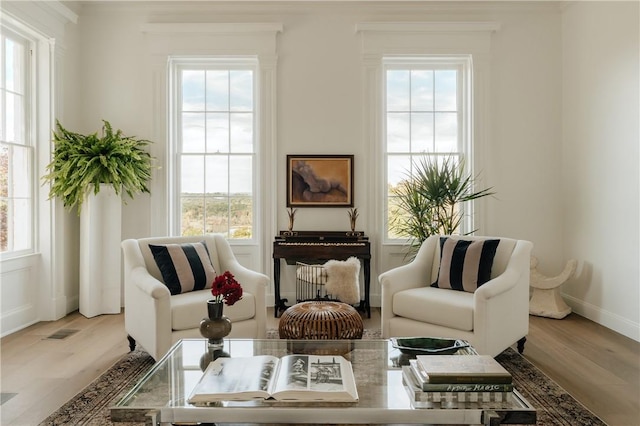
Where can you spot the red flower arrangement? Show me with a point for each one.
(226, 289)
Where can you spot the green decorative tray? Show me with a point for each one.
(427, 345)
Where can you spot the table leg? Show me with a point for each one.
(152, 418)
(364, 305)
(521, 343)
(367, 285)
(491, 418)
(280, 303)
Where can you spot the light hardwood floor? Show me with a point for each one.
(598, 367)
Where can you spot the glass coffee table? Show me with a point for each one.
(160, 397)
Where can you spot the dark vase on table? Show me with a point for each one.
(214, 328)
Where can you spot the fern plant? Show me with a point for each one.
(81, 163)
(429, 200)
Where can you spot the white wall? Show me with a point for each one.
(600, 160)
(527, 153)
(524, 153)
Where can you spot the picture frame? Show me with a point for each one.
(319, 180)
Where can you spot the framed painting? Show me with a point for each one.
(319, 180)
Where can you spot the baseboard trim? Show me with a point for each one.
(18, 319)
(605, 318)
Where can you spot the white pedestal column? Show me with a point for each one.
(100, 235)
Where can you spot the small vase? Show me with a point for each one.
(217, 326)
(211, 355)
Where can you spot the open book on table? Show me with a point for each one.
(290, 378)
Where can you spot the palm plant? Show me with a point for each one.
(81, 163)
(429, 200)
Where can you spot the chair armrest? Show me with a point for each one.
(411, 275)
(404, 277)
(502, 304)
(512, 276)
(417, 273)
(497, 286)
(136, 273)
(148, 284)
(147, 303)
(251, 281)
(255, 283)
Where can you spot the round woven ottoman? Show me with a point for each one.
(320, 320)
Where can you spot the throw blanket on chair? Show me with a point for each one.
(343, 279)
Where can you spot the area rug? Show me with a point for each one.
(555, 407)
(553, 404)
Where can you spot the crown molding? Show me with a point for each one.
(46, 18)
(212, 28)
(415, 27)
(293, 7)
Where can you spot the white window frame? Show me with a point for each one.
(177, 64)
(464, 151)
(166, 40)
(28, 128)
(383, 39)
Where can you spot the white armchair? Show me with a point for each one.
(491, 318)
(156, 319)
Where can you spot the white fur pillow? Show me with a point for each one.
(343, 279)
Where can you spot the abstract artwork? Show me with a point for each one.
(319, 180)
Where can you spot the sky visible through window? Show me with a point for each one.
(217, 118)
(422, 117)
(13, 58)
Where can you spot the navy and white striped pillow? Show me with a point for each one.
(184, 267)
(465, 265)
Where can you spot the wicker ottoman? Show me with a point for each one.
(321, 320)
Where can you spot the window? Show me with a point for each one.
(426, 117)
(214, 141)
(16, 147)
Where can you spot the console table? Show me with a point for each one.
(305, 246)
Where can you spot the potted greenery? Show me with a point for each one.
(91, 172)
(428, 201)
(82, 163)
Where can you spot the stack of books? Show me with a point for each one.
(456, 381)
